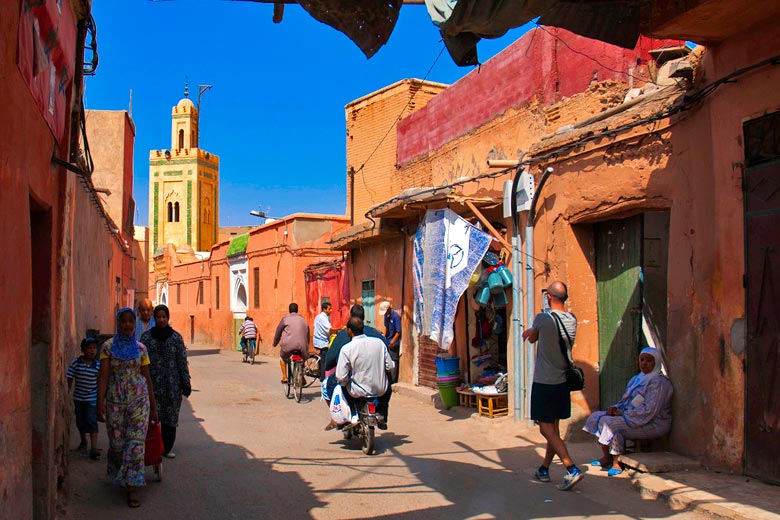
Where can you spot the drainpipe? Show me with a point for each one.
(529, 308)
(520, 381)
(529, 283)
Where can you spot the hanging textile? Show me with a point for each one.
(447, 251)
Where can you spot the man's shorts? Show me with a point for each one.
(550, 403)
(86, 416)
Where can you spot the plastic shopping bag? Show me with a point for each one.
(339, 408)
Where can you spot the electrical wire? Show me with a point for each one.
(397, 119)
(575, 51)
(688, 102)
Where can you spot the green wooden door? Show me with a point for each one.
(618, 266)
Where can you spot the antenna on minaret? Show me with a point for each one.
(201, 90)
(186, 87)
(130, 105)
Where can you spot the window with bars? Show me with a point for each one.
(178, 294)
(200, 292)
(216, 292)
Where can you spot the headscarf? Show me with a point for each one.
(641, 380)
(124, 347)
(161, 333)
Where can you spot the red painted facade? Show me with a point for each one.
(542, 67)
(204, 296)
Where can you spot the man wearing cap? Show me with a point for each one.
(392, 335)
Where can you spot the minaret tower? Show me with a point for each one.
(183, 185)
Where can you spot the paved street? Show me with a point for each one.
(246, 452)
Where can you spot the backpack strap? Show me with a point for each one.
(558, 326)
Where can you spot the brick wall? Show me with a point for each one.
(370, 120)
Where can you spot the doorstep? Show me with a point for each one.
(686, 485)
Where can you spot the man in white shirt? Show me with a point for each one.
(321, 337)
(363, 366)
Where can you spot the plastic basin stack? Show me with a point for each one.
(448, 379)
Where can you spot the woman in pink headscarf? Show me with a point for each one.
(644, 412)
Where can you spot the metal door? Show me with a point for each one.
(618, 267)
(762, 221)
(367, 293)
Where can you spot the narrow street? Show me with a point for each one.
(245, 451)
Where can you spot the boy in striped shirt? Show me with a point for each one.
(84, 371)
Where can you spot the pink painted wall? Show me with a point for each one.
(544, 65)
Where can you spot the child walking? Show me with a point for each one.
(84, 372)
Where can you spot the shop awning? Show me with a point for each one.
(419, 200)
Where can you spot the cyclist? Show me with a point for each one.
(292, 335)
(248, 332)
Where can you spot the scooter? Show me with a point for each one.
(367, 422)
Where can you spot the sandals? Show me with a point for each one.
(613, 472)
(132, 500)
(597, 462)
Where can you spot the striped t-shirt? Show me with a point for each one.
(86, 377)
(249, 329)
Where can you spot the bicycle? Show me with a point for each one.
(296, 375)
(249, 347)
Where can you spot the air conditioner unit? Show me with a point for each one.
(525, 194)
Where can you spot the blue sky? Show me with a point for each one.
(275, 114)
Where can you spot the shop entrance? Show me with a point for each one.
(631, 274)
(762, 246)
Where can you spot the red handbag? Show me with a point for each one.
(154, 445)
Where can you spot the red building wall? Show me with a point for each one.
(544, 66)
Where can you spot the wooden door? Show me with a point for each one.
(762, 221)
(619, 292)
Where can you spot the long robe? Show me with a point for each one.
(170, 374)
(646, 413)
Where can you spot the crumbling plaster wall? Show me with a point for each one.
(695, 169)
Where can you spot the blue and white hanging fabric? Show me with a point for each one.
(447, 251)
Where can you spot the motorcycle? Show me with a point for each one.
(367, 422)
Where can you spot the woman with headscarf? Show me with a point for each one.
(170, 373)
(644, 412)
(126, 403)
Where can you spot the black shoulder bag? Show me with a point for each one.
(575, 377)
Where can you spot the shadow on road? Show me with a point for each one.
(205, 352)
(208, 479)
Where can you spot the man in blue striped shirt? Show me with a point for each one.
(84, 372)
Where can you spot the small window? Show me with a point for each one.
(200, 292)
(193, 142)
(181, 139)
(216, 292)
(256, 280)
(175, 211)
(178, 294)
(170, 212)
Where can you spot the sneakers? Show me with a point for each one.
(170, 455)
(571, 478)
(542, 474)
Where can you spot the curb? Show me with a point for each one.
(680, 497)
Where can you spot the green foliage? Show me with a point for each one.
(238, 245)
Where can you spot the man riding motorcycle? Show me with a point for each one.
(362, 369)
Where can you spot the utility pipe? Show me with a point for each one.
(520, 383)
(529, 282)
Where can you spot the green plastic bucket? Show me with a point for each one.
(449, 394)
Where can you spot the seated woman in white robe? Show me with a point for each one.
(644, 412)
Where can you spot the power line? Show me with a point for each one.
(397, 119)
